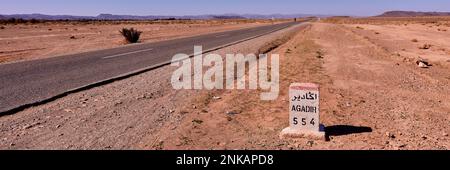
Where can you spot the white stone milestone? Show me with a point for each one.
(304, 112)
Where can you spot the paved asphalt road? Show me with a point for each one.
(28, 83)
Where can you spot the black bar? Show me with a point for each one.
(279, 159)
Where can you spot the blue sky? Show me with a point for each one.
(196, 7)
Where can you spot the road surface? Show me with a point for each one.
(29, 83)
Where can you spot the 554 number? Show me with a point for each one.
(303, 121)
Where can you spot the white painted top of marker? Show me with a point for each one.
(304, 86)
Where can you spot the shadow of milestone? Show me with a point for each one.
(340, 130)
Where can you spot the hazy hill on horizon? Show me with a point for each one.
(412, 14)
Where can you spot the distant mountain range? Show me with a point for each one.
(152, 17)
(412, 14)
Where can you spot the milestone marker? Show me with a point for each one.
(304, 110)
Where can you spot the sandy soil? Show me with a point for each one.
(373, 96)
(25, 42)
(406, 41)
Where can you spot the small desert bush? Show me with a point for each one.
(415, 40)
(2, 27)
(425, 46)
(131, 35)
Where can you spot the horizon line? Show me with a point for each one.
(222, 14)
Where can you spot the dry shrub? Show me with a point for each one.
(131, 35)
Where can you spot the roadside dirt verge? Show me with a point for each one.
(370, 99)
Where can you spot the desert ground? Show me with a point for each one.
(373, 96)
(19, 42)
